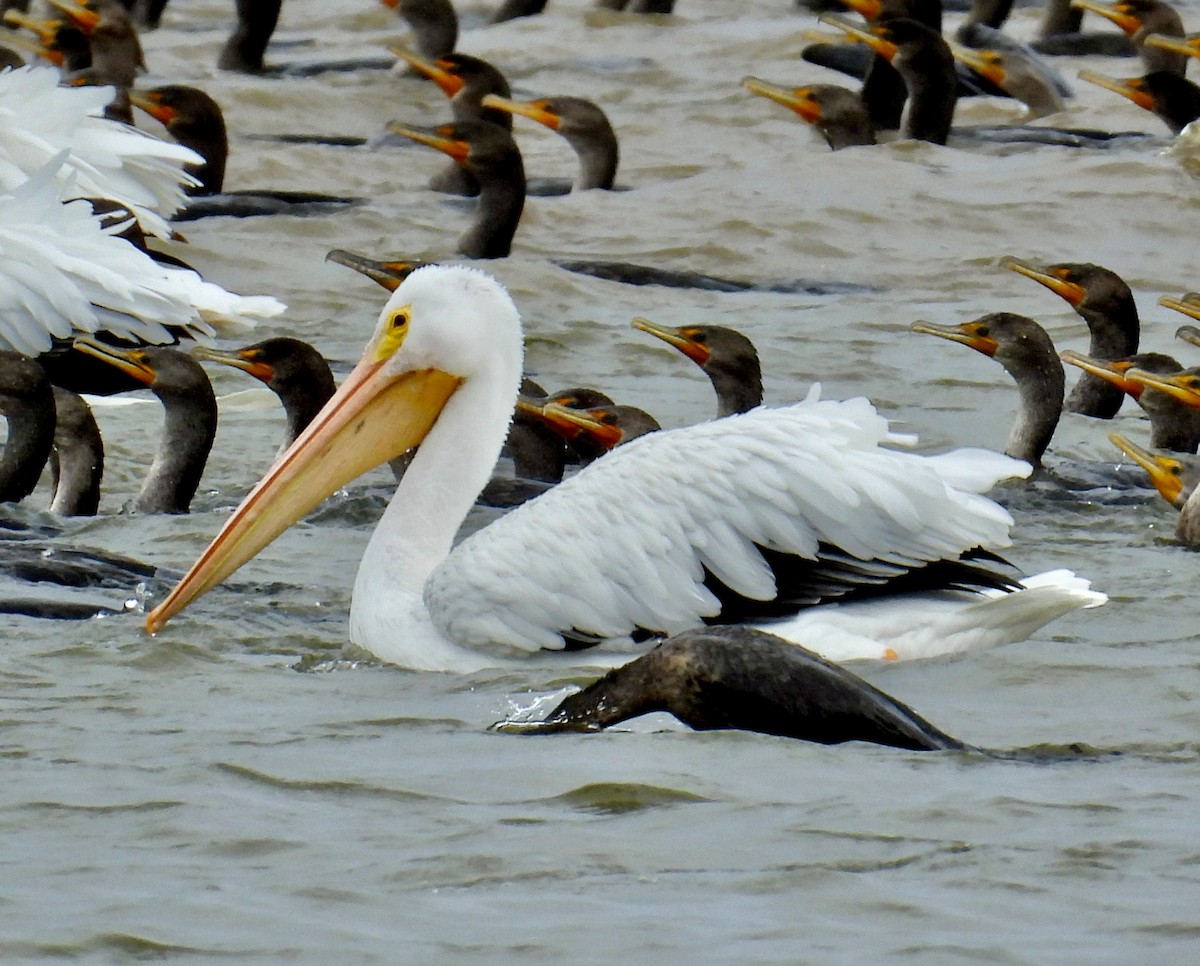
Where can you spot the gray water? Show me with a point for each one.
(246, 787)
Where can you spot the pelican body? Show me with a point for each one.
(749, 518)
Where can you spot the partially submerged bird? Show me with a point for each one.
(1174, 475)
(1027, 354)
(115, 55)
(196, 121)
(1188, 46)
(838, 114)
(727, 357)
(584, 126)
(738, 677)
(1173, 425)
(491, 157)
(47, 422)
(926, 66)
(603, 427)
(578, 440)
(1018, 75)
(1103, 300)
(824, 513)
(1189, 305)
(1139, 19)
(1172, 98)
(296, 372)
(1184, 385)
(57, 42)
(466, 80)
(189, 424)
(1176, 480)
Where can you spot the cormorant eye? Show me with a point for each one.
(982, 330)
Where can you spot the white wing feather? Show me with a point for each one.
(105, 159)
(601, 554)
(62, 273)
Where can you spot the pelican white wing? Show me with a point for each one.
(62, 273)
(628, 544)
(105, 159)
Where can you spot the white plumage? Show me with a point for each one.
(625, 543)
(105, 159)
(62, 273)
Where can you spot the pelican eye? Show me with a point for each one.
(398, 321)
(395, 328)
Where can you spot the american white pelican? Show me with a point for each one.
(63, 274)
(746, 517)
(105, 159)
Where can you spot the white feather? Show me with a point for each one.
(823, 456)
(931, 625)
(62, 273)
(105, 158)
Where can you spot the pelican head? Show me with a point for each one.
(444, 327)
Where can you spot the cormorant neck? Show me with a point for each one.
(1187, 530)
(884, 93)
(1114, 335)
(434, 26)
(737, 392)
(1173, 426)
(501, 200)
(847, 130)
(246, 45)
(537, 452)
(1040, 385)
(932, 82)
(303, 400)
(78, 458)
(189, 425)
(208, 138)
(598, 154)
(30, 437)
